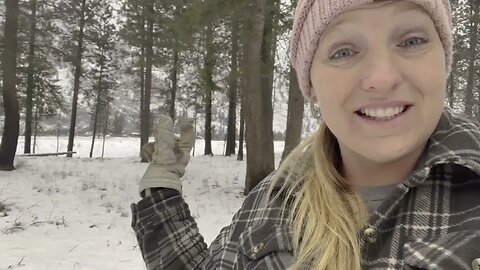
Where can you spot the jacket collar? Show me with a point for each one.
(456, 139)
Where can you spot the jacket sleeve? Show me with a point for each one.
(169, 238)
(166, 232)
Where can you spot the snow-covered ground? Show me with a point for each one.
(60, 213)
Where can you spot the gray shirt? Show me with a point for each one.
(374, 196)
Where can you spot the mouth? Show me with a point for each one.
(383, 114)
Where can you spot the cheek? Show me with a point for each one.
(331, 90)
(429, 74)
(329, 102)
(430, 82)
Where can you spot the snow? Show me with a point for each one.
(74, 213)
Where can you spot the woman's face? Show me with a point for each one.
(379, 78)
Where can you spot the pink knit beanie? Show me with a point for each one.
(312, 17)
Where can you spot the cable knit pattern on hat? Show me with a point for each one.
(313, 16)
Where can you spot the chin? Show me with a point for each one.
(384, 154)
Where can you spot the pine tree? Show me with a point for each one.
(149, 43)
(103, 67)
(134, 33)
(77, 15)
(293, 132)
(474, 22)
(209, 87)
(259, 112)
(173, 33)
(2, 47)
(464, 78)
(9, 66)
(233, 83)
(142, 17)
(294, 116)
(37, 74)
(30, 82)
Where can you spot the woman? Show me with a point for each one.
(389, 181)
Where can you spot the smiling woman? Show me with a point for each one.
(370, 80)
(389, 181)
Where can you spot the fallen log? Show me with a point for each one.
(47, 154)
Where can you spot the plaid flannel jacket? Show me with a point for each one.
(430, 221)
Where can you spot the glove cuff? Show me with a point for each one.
(159, 176)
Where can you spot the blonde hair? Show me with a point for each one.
(324, 212)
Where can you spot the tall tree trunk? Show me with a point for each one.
(11, 128)
(195, 129)
(269, 49)
(105, 130)
(58, 130)
(294, 115)
(451, 83)
(76, 84)
(208, 82)
(469, 97)
(97, 107)
(173, 89)
(148, 73)
(35, 129)
(241, 128)
(30, 78)
(143, 139)
(232, 98)
(243, 70)
(95, 117)
(258, 114)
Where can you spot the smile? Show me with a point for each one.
(383, 114)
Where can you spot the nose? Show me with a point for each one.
(382, 73)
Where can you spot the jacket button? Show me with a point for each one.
(476, 264)
(371, 235)
(258, 247)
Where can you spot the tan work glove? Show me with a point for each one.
(168, 156)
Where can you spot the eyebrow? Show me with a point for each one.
(409, 8)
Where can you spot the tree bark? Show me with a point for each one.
(148, 73)
(35, 127)
(76, 84)
(143, 139)
(243, 42)
(451, 83)
(30, 78)
(9, 143)
(97, 106)
(294, 115)
(469, 97)
(232, 102)
(105, 130)
(173, 89)
(241, 129)
(258, 114)
(208, 82)
(269, 50)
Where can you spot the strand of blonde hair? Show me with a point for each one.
(324, 212)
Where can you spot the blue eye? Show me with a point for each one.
(414, 42)
(342, 53)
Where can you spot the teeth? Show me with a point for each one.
(383, 112)
(397, 110)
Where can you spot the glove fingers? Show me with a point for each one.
(165, 122)
(187, 135)
(164, 142)
(147, 150)
(164, 137)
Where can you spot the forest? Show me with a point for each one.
(110, 67)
